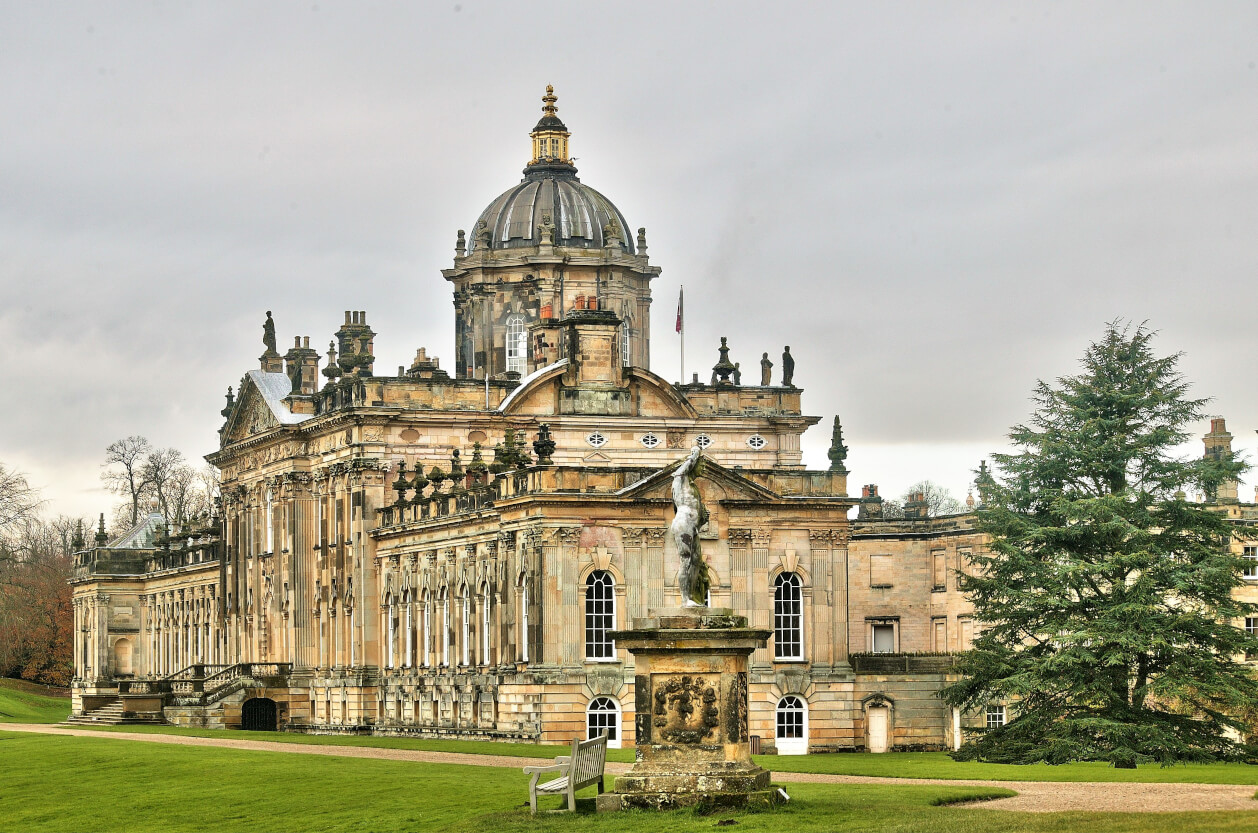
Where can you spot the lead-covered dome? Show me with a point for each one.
(579, 214)
(550, 195)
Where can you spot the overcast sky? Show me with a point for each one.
(933, 204)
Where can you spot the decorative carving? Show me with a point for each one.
(760, 538)
(739, 536)
(838, 451)
(686, 708)
(736, 726)
(675, 439)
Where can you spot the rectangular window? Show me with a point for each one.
(938, 568)
(884, 639)
(1251, 628)
(939, 635)
(880, 571)
(995, 717)
(484, 631)
(1251, 564)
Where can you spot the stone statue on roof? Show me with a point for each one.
(268, 334)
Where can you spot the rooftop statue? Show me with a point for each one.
(268, 334)
(692, 578)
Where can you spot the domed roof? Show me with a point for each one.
(550, 194)
(579, 213)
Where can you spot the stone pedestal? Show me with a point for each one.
(690, 690)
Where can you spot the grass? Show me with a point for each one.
(56, 783)
(890, 765)
(24, 702)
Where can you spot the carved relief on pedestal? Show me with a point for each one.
(686, 707)
(736, 727)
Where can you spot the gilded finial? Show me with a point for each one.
(548, 101)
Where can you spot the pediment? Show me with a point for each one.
(715, 481)
(250, 416)
(596, 458)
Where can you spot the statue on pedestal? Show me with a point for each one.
(692, 578)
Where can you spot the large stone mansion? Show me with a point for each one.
(445, 552)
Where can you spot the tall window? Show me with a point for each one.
(425, 644)
(392, 633)
(788, 617)
(484, 627)
(467, 625)
(995, 717)
(445, 628)
(624, 343)
(524, 618)
(600, 616)
(602, 717)
(792, 726)
(1251, 563)
(517, 344)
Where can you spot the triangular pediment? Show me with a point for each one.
(731, 484)
(251, 414)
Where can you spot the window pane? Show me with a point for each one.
(884, 639)
(600, 615)
(788, 617)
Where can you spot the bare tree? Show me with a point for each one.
(19, 504)
(159, 471)
(125, 464)
(939, 501)
(36, 611)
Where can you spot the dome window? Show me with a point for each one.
(596, 439)
(650, 440)
(517, 344)
(757, 442)
(703, 441)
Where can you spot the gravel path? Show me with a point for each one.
(1033, 796)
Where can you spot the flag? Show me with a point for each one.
(680, 293)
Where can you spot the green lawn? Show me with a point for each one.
(891, 765)
(23, 702)
(54, 783)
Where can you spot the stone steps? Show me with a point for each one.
(110, 714)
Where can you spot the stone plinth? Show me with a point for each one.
(690, 689)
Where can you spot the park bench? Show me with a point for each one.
(583, 768)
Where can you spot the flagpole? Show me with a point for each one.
(681, 330)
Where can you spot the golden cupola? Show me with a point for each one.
(550, 136)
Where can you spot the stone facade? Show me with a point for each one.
(446, 553)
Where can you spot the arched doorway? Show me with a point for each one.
(791, 736)
(259, 715)
(602, 717)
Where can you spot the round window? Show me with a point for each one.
(703, 441)
(596, 439)
(650, 440)
(757, 442)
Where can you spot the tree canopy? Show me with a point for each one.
(1110, 627)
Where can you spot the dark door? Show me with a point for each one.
(258, 715)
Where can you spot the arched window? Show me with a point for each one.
(425, 641)
(392, 630)
(524, 618)
(445, 627)
(788, 617)
(792, 726)
(600, 616)
(602, 717)
(517, 344)
(484, 625)
(466, 610)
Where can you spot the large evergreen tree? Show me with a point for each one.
(1109, 623)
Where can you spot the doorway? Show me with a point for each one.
(259, 715)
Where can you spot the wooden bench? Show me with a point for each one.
(583, 768)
